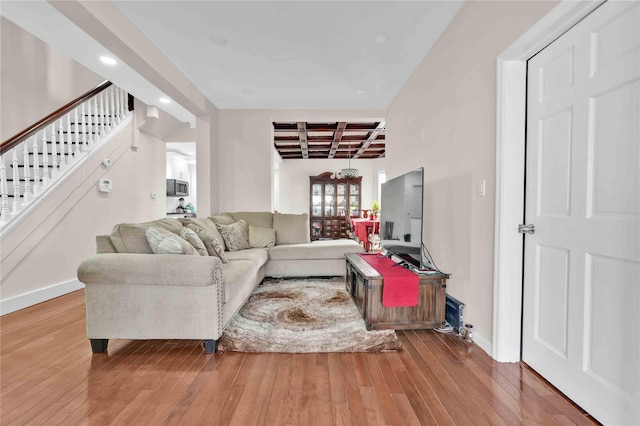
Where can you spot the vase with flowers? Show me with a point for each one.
(375, 210)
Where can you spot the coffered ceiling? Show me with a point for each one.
(329, 140)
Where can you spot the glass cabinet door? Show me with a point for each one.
(341, 199)
(316, 199)
(354, 199)
(329, 199)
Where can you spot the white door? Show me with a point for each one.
(581, 321)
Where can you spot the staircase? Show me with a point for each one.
(35, 160)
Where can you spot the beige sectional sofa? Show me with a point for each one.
(132, 292)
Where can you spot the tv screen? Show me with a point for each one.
(401, 217)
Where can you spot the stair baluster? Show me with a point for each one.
(112, 107)
(83, 130)
(117, 105)
(45, 159)
(123, 104)
(26, 174)
(16, 182)
(4, 195)
(71, 148)
(64, 160)
(103, 116)
(77, 149)
(36, 167)
(54, 152)
(89, 125)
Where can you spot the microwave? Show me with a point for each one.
(177, 188)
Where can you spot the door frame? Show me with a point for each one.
(510, 171)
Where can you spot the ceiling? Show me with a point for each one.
(294, 54)
(282, 55)
(329, 140)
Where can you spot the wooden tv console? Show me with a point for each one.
(364, 284)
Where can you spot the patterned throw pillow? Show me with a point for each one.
(213, 246)
(162, 241)
(194, 240)
(236, 235)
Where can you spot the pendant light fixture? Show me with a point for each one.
(349, 172)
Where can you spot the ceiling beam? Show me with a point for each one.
(372, 137)
(302, 135)
(337, 137)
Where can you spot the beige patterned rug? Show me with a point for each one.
(302, 316)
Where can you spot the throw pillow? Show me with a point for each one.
(261, 237)
(194, 240)
(206, 224)
(214, 247)
(236, 235)
(162, 241)
(291, 228)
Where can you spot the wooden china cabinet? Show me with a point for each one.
(330, 200)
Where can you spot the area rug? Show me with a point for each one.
(302, 316)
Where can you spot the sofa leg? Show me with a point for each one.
(210, 346)
(99, 346)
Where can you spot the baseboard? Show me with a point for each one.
(483, 343)
(38, 296)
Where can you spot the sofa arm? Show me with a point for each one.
(150, 269)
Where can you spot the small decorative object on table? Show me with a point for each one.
(375, 209)
(365, 213)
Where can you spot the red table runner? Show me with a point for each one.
(400, 286)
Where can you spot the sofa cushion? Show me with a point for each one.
(236, 235)
(131, 238)
(194, 240)
(291, 228)
(222, 219)
(238, 278)
(323, 249)
(262, 219)
(162, 241)
(259, 256)
(261, 237)
(211, 243)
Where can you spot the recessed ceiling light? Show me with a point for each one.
(218, 40)
(360, 91)
(381, 38)
(165, 101)
(248, 91)
(108, 60)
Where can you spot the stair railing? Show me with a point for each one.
(41, 154)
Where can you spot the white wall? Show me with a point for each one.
(45, 249)
(41, 254)
(246, 157)
(36, 79)
(294, 180)
(444, 120)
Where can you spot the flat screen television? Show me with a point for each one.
(401, 218)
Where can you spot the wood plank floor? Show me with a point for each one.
(49, 376)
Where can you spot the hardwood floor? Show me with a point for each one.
(49, 376)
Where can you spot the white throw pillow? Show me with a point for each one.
(194, 240)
